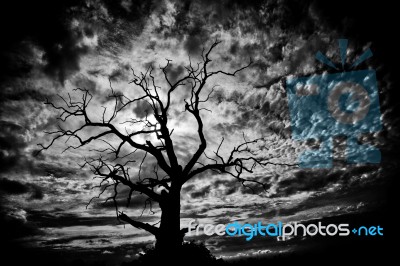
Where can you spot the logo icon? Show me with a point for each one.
(340, 104)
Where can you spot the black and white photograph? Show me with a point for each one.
(199, 132)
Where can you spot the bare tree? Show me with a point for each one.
(165, 190)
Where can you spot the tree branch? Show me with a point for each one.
(145, 226)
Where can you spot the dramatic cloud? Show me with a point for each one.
(54, 47)
(15, 187)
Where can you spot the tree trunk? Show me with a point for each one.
(169, 238)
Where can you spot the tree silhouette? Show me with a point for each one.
(165, 190)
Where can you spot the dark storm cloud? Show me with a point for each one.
(67, 240)
(20, 93)
(320, 179)
(54, 219)
(57, 219)
(198, 19)
(184, 25)
(194, 215)
(197, 37)
(120, 74)
(138, 201)
(216, 13)
(308, 181)
(304, 53)
(142, 109)
(265, 113)
(13, 227)
(58, 171)
(130, 10)
(122, 20)
(188, 188)
(200, 193)
(14, 157)
(13, 187)
(63, 58)
(255, 189)
(350, 199)
(175, 72)
(270, 82)
(44, 24)
(62, 45)
(83, 82)
(12, 141)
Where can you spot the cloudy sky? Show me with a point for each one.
(53, 48)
